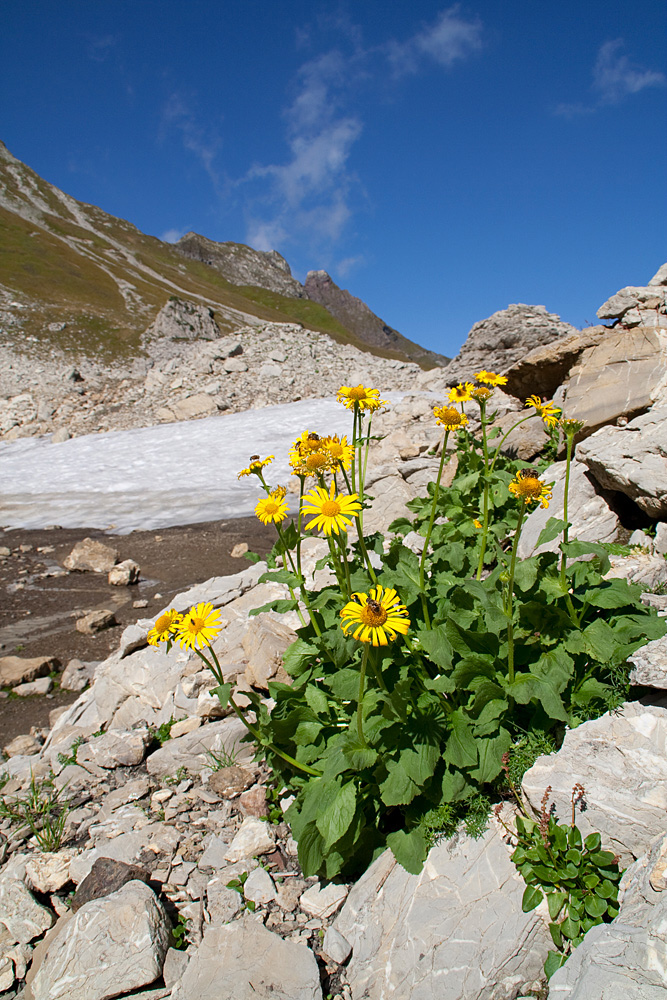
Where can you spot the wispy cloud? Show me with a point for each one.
(448, 40)
(99, 47)
(614, 79)
(173, 235)
(312, 196)
(177, 113)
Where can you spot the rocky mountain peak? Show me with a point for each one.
(241, 265)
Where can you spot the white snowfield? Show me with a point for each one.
(156, 477)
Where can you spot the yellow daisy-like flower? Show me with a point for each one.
(164, 627)
(340, 450)
(279, 493)
(477, 523)
(490, 378)
(333, 512)
(256, 465)
(449, 417)
(528, 487)
(550, 414)
(461, 393)
(376, 617)
(358, 395)
(199, 627)
(272, 509)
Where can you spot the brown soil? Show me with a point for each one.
(38, 612)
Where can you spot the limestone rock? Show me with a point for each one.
(183, 320)
(456, 930)
(117, 748)
(24, 918)
(198, 405)
(41, 686)
(222, 903)
(91, 555)
(259, 886)
(627, 959)
(253, 838)
(20, 670)
(49, 872)
(77, 675)
(253, 802)
(527, 440)
(95, 621)
(124, 573)
(632, 459)
(498, 342)
(650, 664)
(264, 644)
(23, 744)
(621, 760)
(541, 371)
(619, 377)
(323, 902)
(242, 265)
(230, 781)
(257, 963)
(336, 946)
(190, 751)
(111, 945)
(648, 570)
(591, 517)
(390, 497)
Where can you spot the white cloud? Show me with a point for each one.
(614, 78)
(449, 39)
(173, 235)
(344, 267)
(199, 141)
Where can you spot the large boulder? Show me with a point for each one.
(633, 460)
(627, 959)
(256, 963)
(498, 342)
(183, 320)
(456, 930)
(621, 761)
(15, 670)
(545, 368)
(91, 555)
(110, 946)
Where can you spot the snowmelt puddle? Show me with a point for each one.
(156, 477)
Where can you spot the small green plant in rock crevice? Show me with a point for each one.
(42, 811)
(578, 879)
(238, 884)
(70, 758)
(162, 733)
(217, 759)
(179, 933)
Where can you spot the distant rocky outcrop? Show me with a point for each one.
(501, 340)
(356, 316)
(241, 265)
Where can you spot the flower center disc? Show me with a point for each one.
(373, 618)
(197, 624)
(271, 507)
(357, 393)
(163, 623)
(331, 508)
(530, 488)
(316, 460)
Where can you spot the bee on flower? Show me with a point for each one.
(199, 627)
(449, 418)
(333, 511)
(376, 617)
(339, 450)
(361, 397)
(491, 378)
(255, 466)
(527, 486)
(461, 393)
(550, 414)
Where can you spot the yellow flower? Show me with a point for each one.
(340, 450)
(272, 509)
(358, 395)
(478, 524)
(461, 392)
(256, 465)
(279, 493)
(490, 378)
(449, 417)
(481, 392)
(550, 414)
(164, 627)
(199, 627)
(528, 487)
(334, 512)
(375, 617)
(309, 456)
(571, 426)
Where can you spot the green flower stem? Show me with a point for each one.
(434, 504)
(342, 542)
(360, 700)
(569, 438)
(505, 437)
(336, 562)
(510, 596)
(297, 569)
(354, 447)
(360, 533)
(252, 729)
(377, 673)
(485, 501)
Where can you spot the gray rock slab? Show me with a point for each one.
(115, 749)
(256, 963)
(454, 931)
(190, 751)
(390, 498)
(21, 670)
(627, 959)
(110, 946)
(621, 760)
(650, 664)
(106, 876)
(154, 839)
(91, 555)
(591, 517)
(24, 918)
(632, 459)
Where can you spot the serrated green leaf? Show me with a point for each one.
(310, 849)
(280, 607)
(409, 849)
(490, 754)
(298, 656)
(317, 700)
(358, 755)
(335, 819)
(437, 645)
(461, 750)
(222, 693)
(553, 528)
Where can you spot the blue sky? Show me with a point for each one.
(439, 161)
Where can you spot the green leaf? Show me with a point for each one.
(310, 849)
(337, 816)
(222, 692)
(570, 928)
(532, 897)
(553, 528)
(409, 849)
(592, 842)
(555, 901)
(607, 890)
(554, 961)
(556, 936)
(298, 657)
(461, 748)
(525, 573)
(358, 755)
(600, 641)
(317, 699)
(611, 594)
(527, 687)
(437, 645)
(490, 752)
(464, 641)
(280, 607)
(602, 859)
(595, 906)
